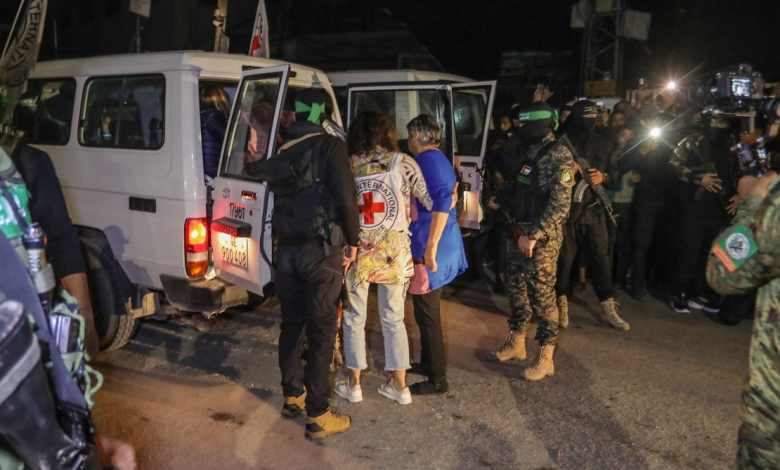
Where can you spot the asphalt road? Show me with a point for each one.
(198, 394)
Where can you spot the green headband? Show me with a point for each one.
(538, 116)
(315, 110)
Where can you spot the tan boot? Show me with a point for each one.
(514, 348)
(610, 315)
(563, 311)
(327, 424)
(544, 366)
(294, 406)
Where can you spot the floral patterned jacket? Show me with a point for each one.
(385, 257)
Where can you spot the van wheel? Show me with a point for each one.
(114, 329)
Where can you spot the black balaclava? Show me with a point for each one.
(537, 119)
(582, 120)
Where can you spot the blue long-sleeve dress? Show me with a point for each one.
(450, 256)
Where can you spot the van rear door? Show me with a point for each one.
(402, 102)
(243, 205)
(472, 107)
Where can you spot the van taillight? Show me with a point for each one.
(196, 246)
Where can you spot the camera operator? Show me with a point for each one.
(745, 257)
(703, 162)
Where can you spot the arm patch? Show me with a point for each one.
(735, 247)
(567, 177)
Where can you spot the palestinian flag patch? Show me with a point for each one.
(735, 247)
(526, 170)
(567, 177)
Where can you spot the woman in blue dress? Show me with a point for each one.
(437, 249)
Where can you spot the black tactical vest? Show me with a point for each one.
(529, 200)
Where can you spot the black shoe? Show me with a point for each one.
(417, 368)
(429, 388)
(679, 303)
(703, 303)
(637, 293)
(578, 287)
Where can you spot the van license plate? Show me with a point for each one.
(234, 250)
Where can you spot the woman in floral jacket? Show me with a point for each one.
(386, 180)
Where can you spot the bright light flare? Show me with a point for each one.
(655, 132)
(671, 85)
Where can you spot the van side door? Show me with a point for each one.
(472, 107)
(243, 205)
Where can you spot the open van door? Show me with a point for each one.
(402, 102)
(472, 107)
(243, 205)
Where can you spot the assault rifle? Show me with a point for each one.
(513, 230)
(602, 197)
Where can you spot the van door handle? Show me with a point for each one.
(143, 205)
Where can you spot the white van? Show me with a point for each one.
(124, 135)
(462, 107)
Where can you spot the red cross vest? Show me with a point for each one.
(381, 199)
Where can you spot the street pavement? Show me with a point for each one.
(191, 393)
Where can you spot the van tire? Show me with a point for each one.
(115, 329)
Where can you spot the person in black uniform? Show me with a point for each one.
(318, 233)
(586, 227)
(704, 164)
(647, 157)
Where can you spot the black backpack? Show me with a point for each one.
(302, 205)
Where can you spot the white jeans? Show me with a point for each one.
(391, 315)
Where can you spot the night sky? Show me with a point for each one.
(468, 37)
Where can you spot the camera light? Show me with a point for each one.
(655, 132)
(671, 85)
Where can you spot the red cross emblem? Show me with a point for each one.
(369, 208)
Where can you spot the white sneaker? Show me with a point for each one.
(403, 397)
(351, 394)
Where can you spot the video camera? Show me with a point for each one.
(738, 93)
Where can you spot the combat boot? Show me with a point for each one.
(610, 316)
(544, 366)
(514, 348)
(327, 424)
(563, 311)
(294, 406)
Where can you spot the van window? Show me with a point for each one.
(248, 139)
(401, 106)
(45, 111)
(470, 111)
(123, 112)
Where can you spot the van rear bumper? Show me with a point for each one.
(209, 297)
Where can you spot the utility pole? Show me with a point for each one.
(602, 45)
(221, 42)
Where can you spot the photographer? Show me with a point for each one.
(703, 162)
(745, 257)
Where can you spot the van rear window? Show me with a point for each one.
(123, 112)
(45, 111)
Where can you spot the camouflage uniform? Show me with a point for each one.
(747, 256)
(531, 281)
